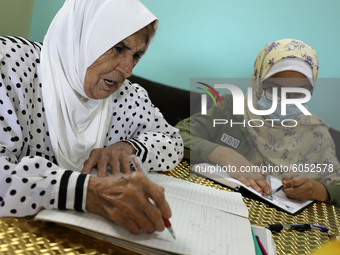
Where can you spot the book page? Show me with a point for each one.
(279, 198)
(198, 193)
(199, 229)
(201, 194)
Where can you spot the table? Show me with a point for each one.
(26, 236)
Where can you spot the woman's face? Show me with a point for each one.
(107, 74)
(287, 79)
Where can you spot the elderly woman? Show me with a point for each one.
(284, 63)
(67, 102)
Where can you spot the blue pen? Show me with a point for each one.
(319, 227)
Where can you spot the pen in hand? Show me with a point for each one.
(281, 187)
(139, 167)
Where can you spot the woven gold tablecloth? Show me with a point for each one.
(26, 236)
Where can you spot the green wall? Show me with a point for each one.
(43, 13)
(15, 17)
(221, 38)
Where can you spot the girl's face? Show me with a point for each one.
(287, 79)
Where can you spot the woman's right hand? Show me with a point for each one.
(226, 156)
(302, 188)
(124, 199)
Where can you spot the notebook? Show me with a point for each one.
(266, 239)
(205, 221)
(278, 199)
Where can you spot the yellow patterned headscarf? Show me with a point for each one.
(310, 141)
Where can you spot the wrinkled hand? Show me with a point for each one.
(124, 199)
(303, 188)
(116, 156)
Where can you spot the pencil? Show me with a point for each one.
(261, 246)
(139, 167)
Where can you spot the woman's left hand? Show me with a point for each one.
(117, 156)
(303, 188)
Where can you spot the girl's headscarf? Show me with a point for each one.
(310, 141)
(79, 34)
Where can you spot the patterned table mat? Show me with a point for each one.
(26, 236)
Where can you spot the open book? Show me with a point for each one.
(279, 199)
(205, 221)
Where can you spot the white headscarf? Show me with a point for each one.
(79, 34)
(291, 64)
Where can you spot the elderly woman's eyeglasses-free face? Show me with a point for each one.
(107, 74)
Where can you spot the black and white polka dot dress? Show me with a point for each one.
(30, 178)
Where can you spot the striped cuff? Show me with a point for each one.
(73, 191)
(141, 150)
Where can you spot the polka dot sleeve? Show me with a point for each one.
(36, 183)
(29, 178)
(137, 121)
